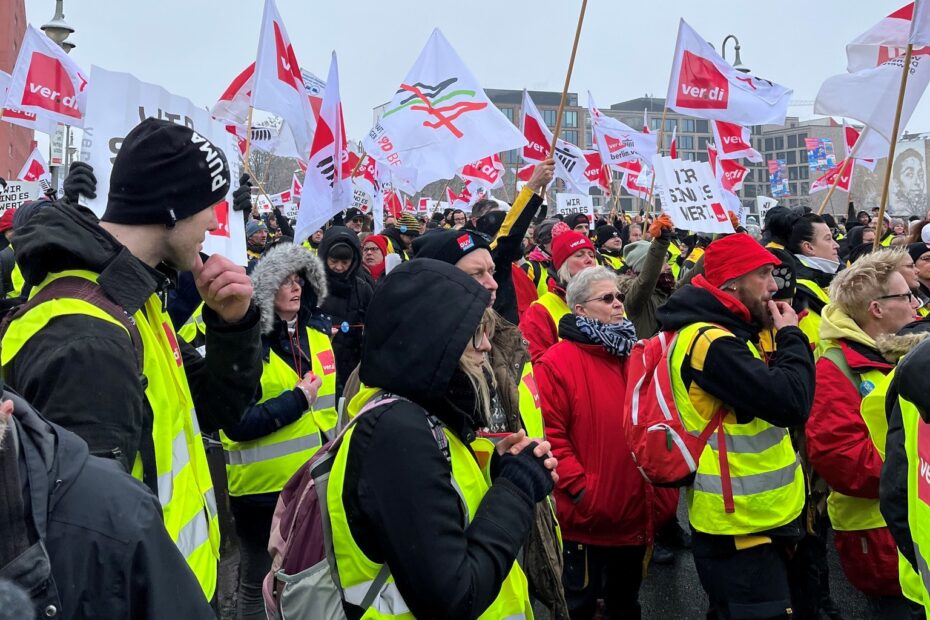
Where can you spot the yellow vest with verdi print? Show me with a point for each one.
(765, 474)
(917, 447)
(185, 489)
(357, 572)
(264, 465)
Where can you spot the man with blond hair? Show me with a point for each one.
(847, 427)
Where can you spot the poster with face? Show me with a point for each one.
(907, 194)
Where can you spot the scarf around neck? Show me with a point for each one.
(617, 339)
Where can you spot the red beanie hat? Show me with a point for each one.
(566, 244)
(379, 241)
(733, 256)
(6, 220)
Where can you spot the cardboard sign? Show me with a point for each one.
(691, 195)
(570, 204)
(18, 192)
(116, 103)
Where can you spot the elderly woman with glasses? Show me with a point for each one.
(293, 411)
(605, 507)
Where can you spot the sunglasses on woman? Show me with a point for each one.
(608, 298)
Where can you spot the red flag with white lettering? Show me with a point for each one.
(46, 82)
(732, 140)
(704, 85)
(279, 85)
(35, 169)
(18, 117)
(729, 172)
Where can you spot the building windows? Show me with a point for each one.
(570, 118)
(702, 143)
(686, 142)
(549, 117)
(508, 112)
(792, 141)
(701, 127)
(570, 135)
(588, 139)
(687, 125)
(670, 124)
(792, 173)
(792, 157)
(803, 172)
(701, 156)
(655, 124)
(801, 138)
(749, 191)
(779, 142)
(769, 145)
(805, 188)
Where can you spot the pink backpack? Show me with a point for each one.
(663, 450)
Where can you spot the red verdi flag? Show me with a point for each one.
(18, 117)
(46, 82)
(732, 142)
(704, 85)
(825, 181)
(35, 169)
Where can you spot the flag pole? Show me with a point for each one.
(247, 158)
(836, 180)
(358, 165)
(891, 146)
(650, 197)
(568, 79)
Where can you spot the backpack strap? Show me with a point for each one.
(835, 355)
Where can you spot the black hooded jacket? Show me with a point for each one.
(400, 504)
(347, 303)
(781, 393)
(109, 555)
(80, 371)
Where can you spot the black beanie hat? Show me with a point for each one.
(916, 250)
(606, 233)
(449, 246)
(164, 172)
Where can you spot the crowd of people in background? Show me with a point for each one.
(449, 393)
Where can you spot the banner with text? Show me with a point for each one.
(691, 195)
(16, 193)
(778, 178)
(570, 204)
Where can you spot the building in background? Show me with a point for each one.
(15, 141)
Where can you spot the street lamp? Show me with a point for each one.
(737, 62)
(58, 30)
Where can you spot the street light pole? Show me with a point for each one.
(737, 62)
(58, 31)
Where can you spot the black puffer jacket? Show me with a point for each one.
(108, 552)
(399, 501)
(347, 303)
(81, 372)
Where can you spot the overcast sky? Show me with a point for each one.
(195, 47)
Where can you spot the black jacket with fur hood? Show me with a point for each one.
(276, 266)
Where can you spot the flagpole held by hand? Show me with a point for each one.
(879, 227)
(568, 79)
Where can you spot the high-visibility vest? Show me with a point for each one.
(764, 472)
(614, 262)
(194, 331)
(357, 572)
(539, 274)
(554, 305)
(185, 489)
(264, 465)
(18, 281)
(307, 245)
(674, 253)
(917, 447)
(530, 410)
(810, 322)
(886, 242)
(848, 513)
(693, 257)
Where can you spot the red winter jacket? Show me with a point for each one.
(525, 289)
(581, 388)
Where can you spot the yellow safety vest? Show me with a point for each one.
(810, 322)
(614, 262)
(357, 572)
(886, 242)
(766, 477)
(307, 245)
(848, 513)
(917, 447)
(194, 330)
(18, 281)
(264, 465)
(539, 274)
(554, 305)
(672, 261)
(530, 410)
(185, 489)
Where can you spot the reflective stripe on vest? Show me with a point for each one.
(357, 572)
(185, 489)
(917, 447)
(764, 472)
(264, 465)
(849, 513)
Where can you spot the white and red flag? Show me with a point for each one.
(645, 120)
(570, 162)
(826, 179)
(617, 142)
(328, 180)
(296, 187)
(440, 119)
(18, 117)
(732, 142)
(596, 173)
(233, 105)
(851, 134)
(278, 84)
(730, 173)
(368, 178)
(35, 169)
(673, 146)
(46, 82)
(526, 172)
(487, 172)
(889, 37)
(704, 85)
(637, 178)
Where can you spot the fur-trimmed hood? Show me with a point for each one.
(275, 267)
(895, 346)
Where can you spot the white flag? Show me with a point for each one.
(704, 85)
(439, 119)
(35, 169)
(617, 142)
(570, 162)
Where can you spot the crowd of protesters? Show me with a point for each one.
(462, 379)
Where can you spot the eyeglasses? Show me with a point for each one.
(357, 220)
(479, 335)
(908, 295)
(608, 298)
(371, 248)
(294, 279)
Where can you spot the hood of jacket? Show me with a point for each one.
(275, 267)
(895, 346)
(692, 304)
(341, 234)
(54, 458)
(63, 236)
(837, 325)
(420, 320)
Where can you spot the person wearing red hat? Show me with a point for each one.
(571, 252)
(748, 491)
(374, 249)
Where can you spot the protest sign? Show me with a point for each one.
(116, 103)
(16, 193)
(763, 204)
(570, 204)
(778, 178)
(691, 195)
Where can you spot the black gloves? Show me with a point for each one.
(242, 197)
(2, 183)
(528, 472)
(80, 180)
